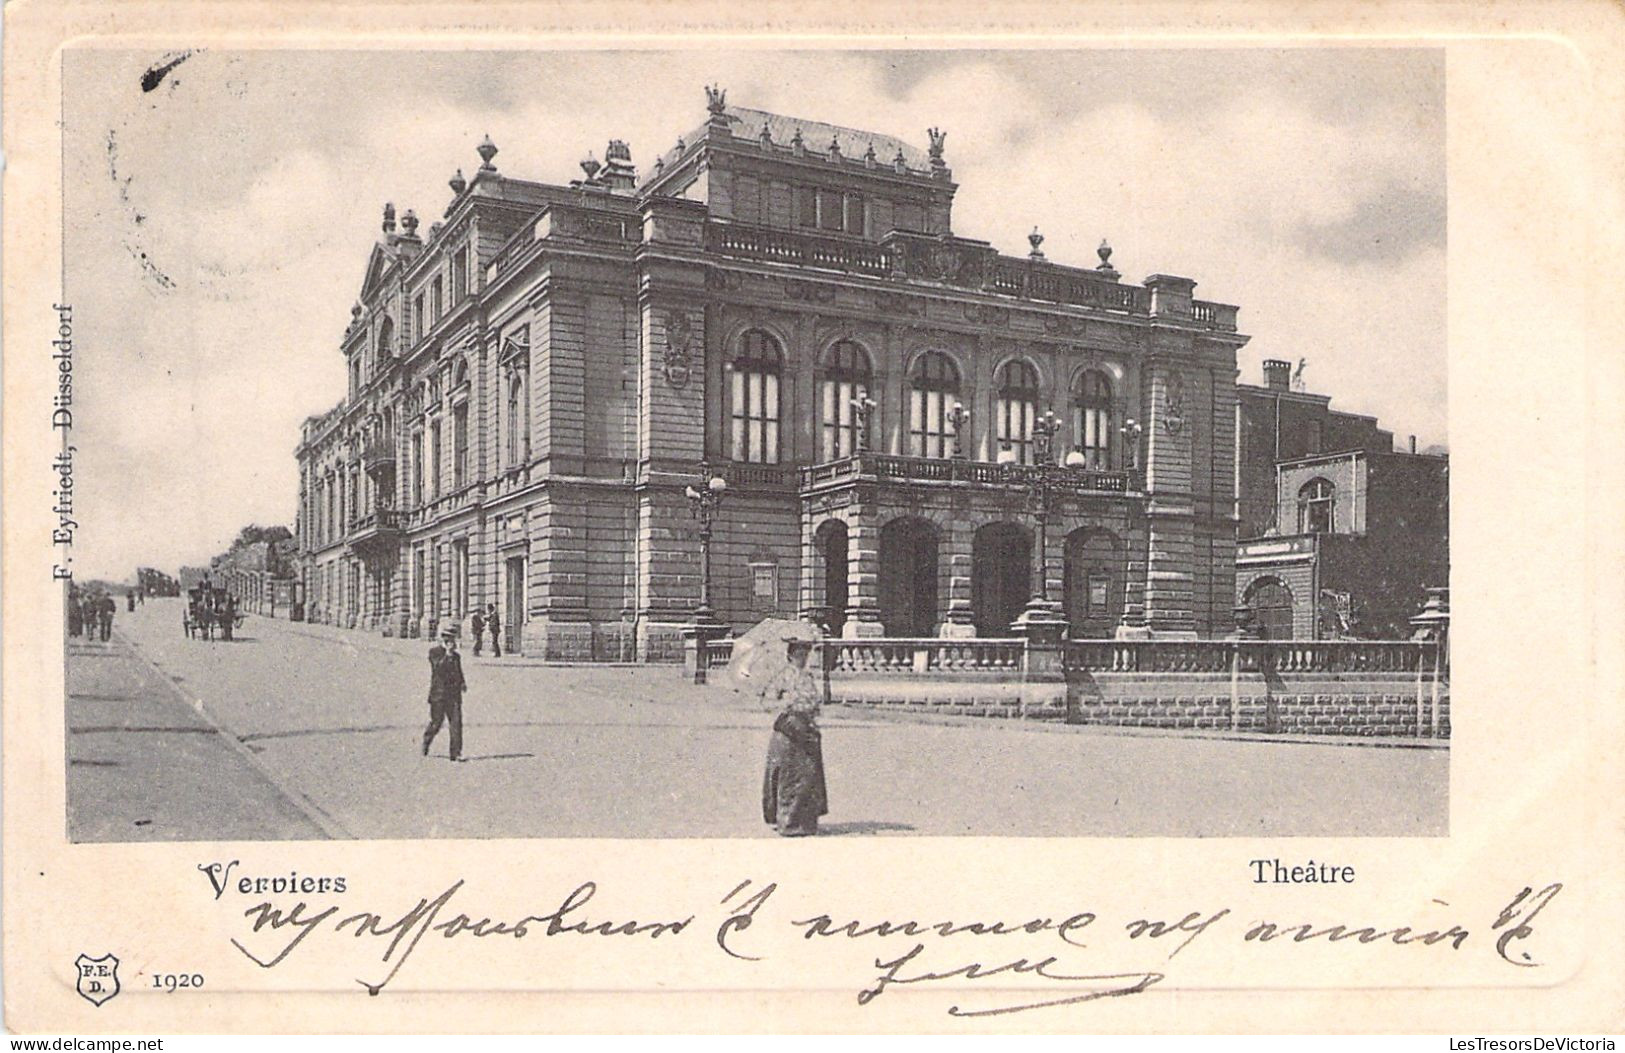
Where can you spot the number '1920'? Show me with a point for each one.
(175, 981)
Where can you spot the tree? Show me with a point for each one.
(254, 533)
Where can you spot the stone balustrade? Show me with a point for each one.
(889, 467)
(923, 656)
(953, 261)
(797, 248)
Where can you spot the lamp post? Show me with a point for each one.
(1041, 621)
(1041, 480)
(704, 499)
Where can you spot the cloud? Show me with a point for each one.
(1304, 185)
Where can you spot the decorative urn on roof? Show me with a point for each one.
(487, 150)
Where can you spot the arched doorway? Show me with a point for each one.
(831, 541)
(1001, 576)
(908, 577)
(1093, 578)
(1271, 604)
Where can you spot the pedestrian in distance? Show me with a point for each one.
(477, 624)
(76, 613)
(493, 623)
(130, 598)
(446, 686)
(793, 791)
(108, 608)
(228, 617)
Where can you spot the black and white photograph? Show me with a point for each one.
(739, 444)
(623, 518)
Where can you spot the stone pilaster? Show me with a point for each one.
(1170, 516)
(961, 619)
(863, 578)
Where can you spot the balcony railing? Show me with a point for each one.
(949, 471)
(950, 261)
(381, 527)
(379, 454)
(566, 222)
(800, 249)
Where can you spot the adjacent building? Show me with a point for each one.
(1342, 536)
(538, 380)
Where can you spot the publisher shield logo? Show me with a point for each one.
(98, 977)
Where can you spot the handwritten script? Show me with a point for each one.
(991, 955)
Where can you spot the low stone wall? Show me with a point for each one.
(1348, 704)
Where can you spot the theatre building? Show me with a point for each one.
(911, 433)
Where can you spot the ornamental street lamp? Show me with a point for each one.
(704, 501)
(1042, 481)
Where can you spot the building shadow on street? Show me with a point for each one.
(500, 756)
(863, 826)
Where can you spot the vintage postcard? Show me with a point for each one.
(811, 522)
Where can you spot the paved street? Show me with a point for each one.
(331, 721)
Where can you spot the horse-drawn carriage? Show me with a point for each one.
(209, 609)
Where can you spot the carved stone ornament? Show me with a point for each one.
(1173, 406)
(677, 361)
(809, 291)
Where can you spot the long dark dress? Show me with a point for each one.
(793, 794)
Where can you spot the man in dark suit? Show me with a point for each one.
(446, 687)
(106, 607)
(494, 623)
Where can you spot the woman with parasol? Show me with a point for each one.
(793, 793)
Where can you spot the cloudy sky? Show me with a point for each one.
(218, 224)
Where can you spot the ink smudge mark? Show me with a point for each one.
(148, 267)
(155, 74)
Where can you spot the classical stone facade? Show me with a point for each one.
(535, 384)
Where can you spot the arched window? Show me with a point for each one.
(1018, 404)
(844, 377)
(1316, 503)
(1092, 418)
(1271, 604)
(386, 345)
(753, 399)
(933, 391)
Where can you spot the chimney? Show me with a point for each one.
(1277, 374)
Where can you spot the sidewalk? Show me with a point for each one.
(679, 688)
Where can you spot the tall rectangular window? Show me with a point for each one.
(809, 206)
(459, 277)
(459, 579)
(854, 213)
(434, 461)
(436, 303)
(459, 440)
(417, 581)
(417, 318)
(830, 216)
(417, 468)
